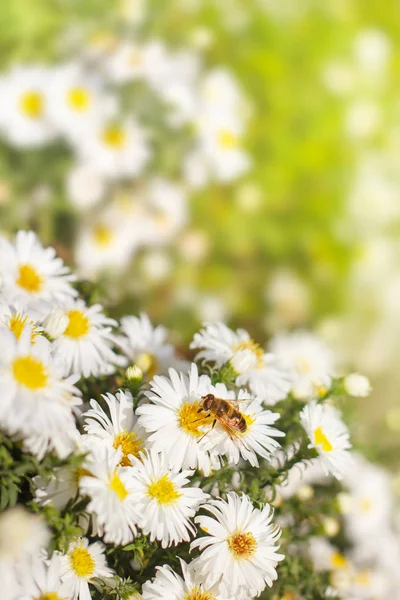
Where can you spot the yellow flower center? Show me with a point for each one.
(17, 324)
(129, 443)
(114, 136)
(322, 440)
(148, 364)
(164, 491)
(118, 487)
(254, 348)
(78, 99)
(249, 420)
(198, 594)
(103, 236)
(363, 578)
(338, 560)
(302, 366)
(30, 372)
(29, 279)
(242, 545)
(82, 562)
(366, 505)
(227, 140)
(32, 104)
(50, 596)
(190, 420)
(135, 59)
(78, 325)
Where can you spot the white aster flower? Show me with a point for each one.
(23, 106)
(81, 564)
(110, 488)
(168, 584)
(33, 274)
(42, 579)
(174, 422)
(167, 210)
(126, 63)
(120, 430)
(146, 346)
(84, 186)
(266, 377)
(239, 554)
(357, 385)
(257, 439)
(326, 557)
(328, 435)
(15, 318)
(311, 362)
(56, 323)
(63, 485)
(163, 501)
(36, 400)
(85, 347)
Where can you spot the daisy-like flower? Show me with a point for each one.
(110, 488)
(263, 373)
(43, 579)
(325, 556)
(85, 345)
(174, 421)
(81, 564)
(37, 402)
(120, 430)
(328, 435)
(146, 346)
(239, 554)
(168, 584)
(257, 439)
(126, 63)
(163, 502)
(15, 318)
(311, 362)
(33, 274)
(167, 208)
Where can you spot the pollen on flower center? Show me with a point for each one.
(190, 420)
(78, 325)
(118, 487)
(102, 236)
(114, 136)
(254, 348)
(242, 545)
(338, 560)
(82, 562)
(29, 279)
(164, 491)
(198, 594)
(30, 372)
(50, 596)
(322, 440)
(32, 104)
(227, 139)
(129, 443)
(78, 98)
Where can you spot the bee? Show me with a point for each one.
(226, 413)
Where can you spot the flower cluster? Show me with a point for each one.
(121, 449)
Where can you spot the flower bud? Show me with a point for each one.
(56, 323)
(134, 374)
(243, 361)
(331, 526)
(357, 385)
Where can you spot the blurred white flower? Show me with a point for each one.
(85, 186)
(357, 385)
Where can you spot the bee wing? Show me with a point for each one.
(232, 432)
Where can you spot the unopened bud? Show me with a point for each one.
(305, 492)
(331, 526)
(134, 374)
(357, 385)
(243, 361)
(56, 323)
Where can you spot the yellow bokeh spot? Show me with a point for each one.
(103, 236)
(338, 560)
(254, 348)
(82, 562)
(79, 99)
(191, 420)
(227, 140)
(148, 364)
(114, 137)
(164, 491)
(128, 443)
(366, 505)
(29, 279)
(321, 440)
(30, 372)
(242, 545)
(78, 325)
(32, 104)
(118, 487)
(363, 578)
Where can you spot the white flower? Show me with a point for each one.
(164, 503)
(56, 323)
(146, 346)
(239, 554)
(36, 401)
(266, 377)
(168, 584)
(16, 317)
(257, 439)
(166, 205)
(84, 186)
(325, 556)
(111, 488)
(174, 422)
(126, 63)
(328, 435)
(23, 106)
(81, 564)
(357, 385)
(42, 579)
(311, 362)
(33, 274)
(22, 534)
(120, 430)
(243, 361)
(85, 347)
